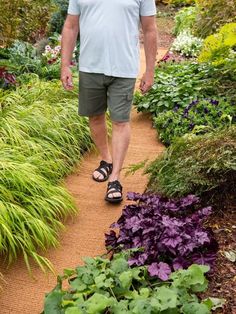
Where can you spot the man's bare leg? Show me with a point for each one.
(98, 131)
(120, 143)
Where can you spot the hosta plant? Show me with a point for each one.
(187, 45)
(168, 232)
(112, 286)
(179, 84)
(176, 84)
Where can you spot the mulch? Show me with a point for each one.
(222, 282)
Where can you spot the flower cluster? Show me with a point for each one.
(169, 233)
(187, 45)
(52, 54)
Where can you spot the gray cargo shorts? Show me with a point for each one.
(97, 92)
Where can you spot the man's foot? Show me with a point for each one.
(103, 172)
(114, 192)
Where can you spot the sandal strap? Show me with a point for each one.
(104, 166)
(115, 186)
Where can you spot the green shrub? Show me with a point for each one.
(185, 19)
(24, 19)
(198, 117)
(178, 3)
(221, 46)
(57, 20)
(196, 164)
(212, 14)
(23, 57)
(41, 139)
(104, 286)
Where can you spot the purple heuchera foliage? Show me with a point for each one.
(171, 233)
(162, 270)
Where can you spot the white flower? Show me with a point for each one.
(47, 48)
(187, 44)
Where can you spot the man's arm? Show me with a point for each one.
(150, 47)
(68, 42)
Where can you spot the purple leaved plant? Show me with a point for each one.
(170, 233)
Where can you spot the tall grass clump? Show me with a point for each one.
(201, 164)
(41, 139)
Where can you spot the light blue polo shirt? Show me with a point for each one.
(109, 34)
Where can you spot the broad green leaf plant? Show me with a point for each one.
(111, 286)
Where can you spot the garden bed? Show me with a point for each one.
(223, 281)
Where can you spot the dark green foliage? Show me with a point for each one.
(196, 163)
(178, 84)
(58, 17)
(198, 117)
(104, 286)
(23, 58)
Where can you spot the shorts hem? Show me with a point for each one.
(92, 114)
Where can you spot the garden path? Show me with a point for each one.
(84, 235)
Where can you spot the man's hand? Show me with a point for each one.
(146, 82)
(66, 78)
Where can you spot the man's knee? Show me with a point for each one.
(97, 119)
(120, 125)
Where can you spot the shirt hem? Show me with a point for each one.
(149, 13)
(114, 74)
(73, 12)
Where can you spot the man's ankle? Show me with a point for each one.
(107, 159)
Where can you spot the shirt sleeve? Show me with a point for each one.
(73, 7)
(147, 8)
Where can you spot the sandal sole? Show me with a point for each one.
(114, 200)
(100, 180)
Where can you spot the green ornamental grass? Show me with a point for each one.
(41, 139)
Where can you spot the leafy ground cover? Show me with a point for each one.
(190, 95)
(199, 117)
(112, 286)
(177, 84)
(41, 138)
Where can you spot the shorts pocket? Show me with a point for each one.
(120, 107)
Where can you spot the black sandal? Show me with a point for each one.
(103, 166)
(114, 187)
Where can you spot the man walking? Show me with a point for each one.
(109, 65)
